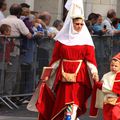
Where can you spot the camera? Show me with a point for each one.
(104, 26)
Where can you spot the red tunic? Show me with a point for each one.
(9, 48)
(78, 92)
(112, 112)
(77, 52)
(110, 85)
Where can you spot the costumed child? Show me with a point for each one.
(110, 87)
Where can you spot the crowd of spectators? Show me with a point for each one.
(109, 26)
(36, 41)
(29, 36)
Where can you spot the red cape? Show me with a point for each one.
(45, 102)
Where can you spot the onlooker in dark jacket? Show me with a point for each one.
(111, 14)
(92, 19)
(27, 53)
(97, 27)
(17, 28)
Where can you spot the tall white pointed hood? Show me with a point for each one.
(66, 35)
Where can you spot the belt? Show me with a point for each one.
(80, 62)
(66, 60)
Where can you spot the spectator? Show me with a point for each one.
(46, 18)
(7, 46)
(57, 25)
(97, 27)
(35, 13)
(111, 14)
(115, 23)
(38, 26)
(39, 21)
(118, 24)
(17, 28)
(92, 19)
(27, 53)
(6, 30)
(3, 7)
(43, 50)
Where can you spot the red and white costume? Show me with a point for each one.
(109, 97)
(72, 46)
(76, 93)
(110, 100)
(111, 88)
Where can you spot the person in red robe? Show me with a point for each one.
(74, 52)
(110, 87)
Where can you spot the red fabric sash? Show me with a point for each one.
(45, 102)
(116, 86)
(116, 112)
(93, 111)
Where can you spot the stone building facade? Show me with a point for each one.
(55, 7)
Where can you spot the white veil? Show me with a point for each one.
(66, 36)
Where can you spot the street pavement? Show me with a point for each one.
(17, 114)
(23, 114)
(16, 118)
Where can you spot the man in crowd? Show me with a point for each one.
(111, 14)
(92, 19)
(17, 28)
(27, 54)
(43, 51)
(3, 7)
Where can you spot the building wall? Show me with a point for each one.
(99, 6)
(55, 7)
(10, 2)
(118, 8)
(47, 5)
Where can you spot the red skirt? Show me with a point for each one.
(68, 93)
(111, 112)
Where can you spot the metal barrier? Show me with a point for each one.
(38, 53)
(106, 47)
(20, 78)
(17, 77)
(3, 67)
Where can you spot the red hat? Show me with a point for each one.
(117, 56)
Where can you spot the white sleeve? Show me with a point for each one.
(22, 27)
(92, 67)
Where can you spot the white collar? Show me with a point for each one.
(66, 35)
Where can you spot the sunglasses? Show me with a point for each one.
(79, 24)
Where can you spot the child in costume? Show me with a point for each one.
(110, 87)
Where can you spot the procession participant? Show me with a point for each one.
(110, 87)
(75, 51)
